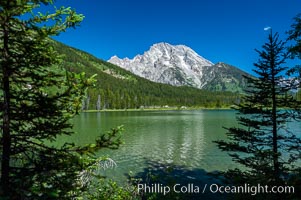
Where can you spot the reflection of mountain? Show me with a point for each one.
(180, 142)
(170, 138)
(193, 144)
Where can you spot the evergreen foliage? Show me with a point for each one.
(295, 52)
(38, 98)
(267, 151)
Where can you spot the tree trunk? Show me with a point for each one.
(274, 119)
(98, 103)
(6, 137)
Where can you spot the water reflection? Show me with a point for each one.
(168, 137)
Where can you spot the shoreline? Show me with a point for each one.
(154, 109)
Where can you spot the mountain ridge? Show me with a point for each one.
(179, 65)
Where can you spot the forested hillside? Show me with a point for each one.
(117, 88)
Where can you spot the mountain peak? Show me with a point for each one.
(115, 57)
(169, 46)
(161, 44)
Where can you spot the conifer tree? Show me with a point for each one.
(263, 143)
(37, 99)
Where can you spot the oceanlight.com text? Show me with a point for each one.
(251, 189)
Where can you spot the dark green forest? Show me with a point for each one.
(117, 88)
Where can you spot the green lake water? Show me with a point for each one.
(181, 139)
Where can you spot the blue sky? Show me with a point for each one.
(219, 30)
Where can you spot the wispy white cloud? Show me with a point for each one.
(267, 28)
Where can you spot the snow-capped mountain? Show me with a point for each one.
(179, 65)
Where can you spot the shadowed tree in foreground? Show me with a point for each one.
(263, 143)
(37, 99)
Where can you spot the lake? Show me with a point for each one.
(154, 139)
